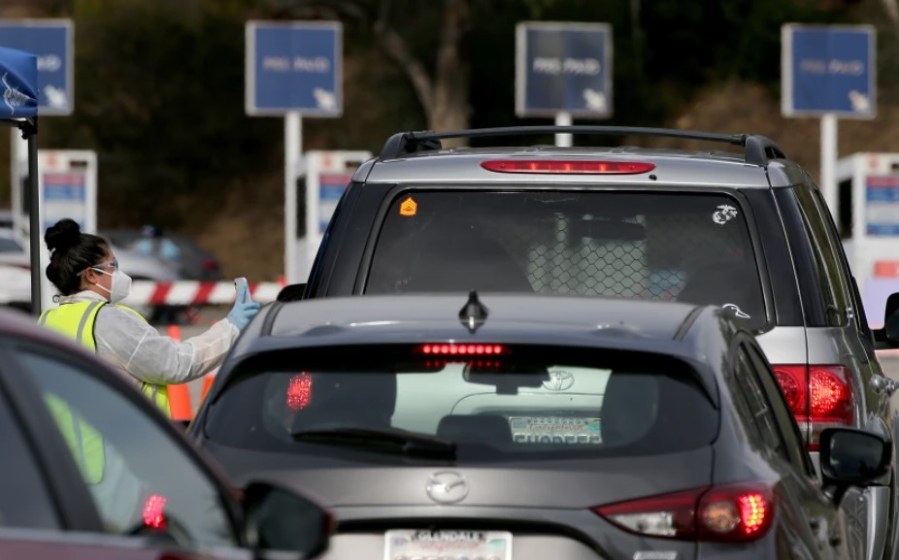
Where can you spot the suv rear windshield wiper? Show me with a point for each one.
(389, 440)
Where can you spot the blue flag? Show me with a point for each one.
(18, 84)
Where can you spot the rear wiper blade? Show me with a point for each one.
(390, 440)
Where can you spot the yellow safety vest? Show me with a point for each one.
(76, 321)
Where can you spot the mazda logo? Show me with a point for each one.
(446, 487)
(559, 381)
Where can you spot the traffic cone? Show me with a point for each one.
(179, 395)
(179, 403)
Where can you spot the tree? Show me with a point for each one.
(433, 63)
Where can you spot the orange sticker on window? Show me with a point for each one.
(408, 207)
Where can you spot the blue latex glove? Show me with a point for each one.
(244, 309)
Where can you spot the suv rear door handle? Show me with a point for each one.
(883, 384)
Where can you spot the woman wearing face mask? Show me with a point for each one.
(85, 271)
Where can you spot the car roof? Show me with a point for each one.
(675, 328)
(421, 157)
(458, 165)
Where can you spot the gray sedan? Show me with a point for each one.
(510, 427)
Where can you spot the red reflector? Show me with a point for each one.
(299, 391)
(463, 349)
(154, 511)
(575, 167)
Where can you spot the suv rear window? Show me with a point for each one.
(515, 406)
(689, 247)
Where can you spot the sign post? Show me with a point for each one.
(293, 69)
(51, 41)
(67, 187)
(563, 70)
(829, 72)
(327, 173)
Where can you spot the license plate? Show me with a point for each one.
(555, 429)
(415, 544)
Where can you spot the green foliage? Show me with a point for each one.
(160, 96)
(160, 83)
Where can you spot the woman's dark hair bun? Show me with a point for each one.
(63, 235)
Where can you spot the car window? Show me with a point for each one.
(755, 408)
(786, 422)
(493, 408)
(139, 477)
(661, 246)
(9, 245)
(830, 275)
(861, 319)
(24, 499)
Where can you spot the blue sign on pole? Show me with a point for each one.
(563, 68)
(294, 66)
(51, 40)
(828, 70)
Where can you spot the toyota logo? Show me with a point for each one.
(559, 381)
(446, 487)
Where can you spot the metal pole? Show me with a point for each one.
(293, 150)
(563, 139)
(29, 130)
(829, 162)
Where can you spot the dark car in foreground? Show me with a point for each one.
(730, 222)
(471, 426)
(90, 469)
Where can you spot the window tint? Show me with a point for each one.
(830, 275)
(133, 469)
(659, 246)
(788, 429)
(24, 500)
(495, 409)
(756, 410)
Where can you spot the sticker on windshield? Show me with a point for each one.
(555, 429)
(408, 207)
(724, 214)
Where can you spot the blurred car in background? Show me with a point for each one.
(15, 269)
(557, 427)
(189, 260)
(91, 469)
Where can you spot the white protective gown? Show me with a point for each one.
(138, 348)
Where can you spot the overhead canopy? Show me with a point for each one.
(18, 84)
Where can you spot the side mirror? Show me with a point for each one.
(292, 292)
(279, 519)
(851, 457)
(888, 336)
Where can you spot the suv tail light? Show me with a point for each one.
(726, 513)
(574, 167)
(818, 395)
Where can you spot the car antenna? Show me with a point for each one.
(473, 313)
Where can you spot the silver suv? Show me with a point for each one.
(746, 230)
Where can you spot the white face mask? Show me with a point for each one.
(121, 285)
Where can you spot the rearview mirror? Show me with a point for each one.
(607, 230)
(506, 378)
(279, 519)
(851, 457)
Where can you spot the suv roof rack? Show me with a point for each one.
(757, 149)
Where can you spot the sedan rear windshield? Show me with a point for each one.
(687, 246)
(504, 405)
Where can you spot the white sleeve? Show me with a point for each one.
(137, 347)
